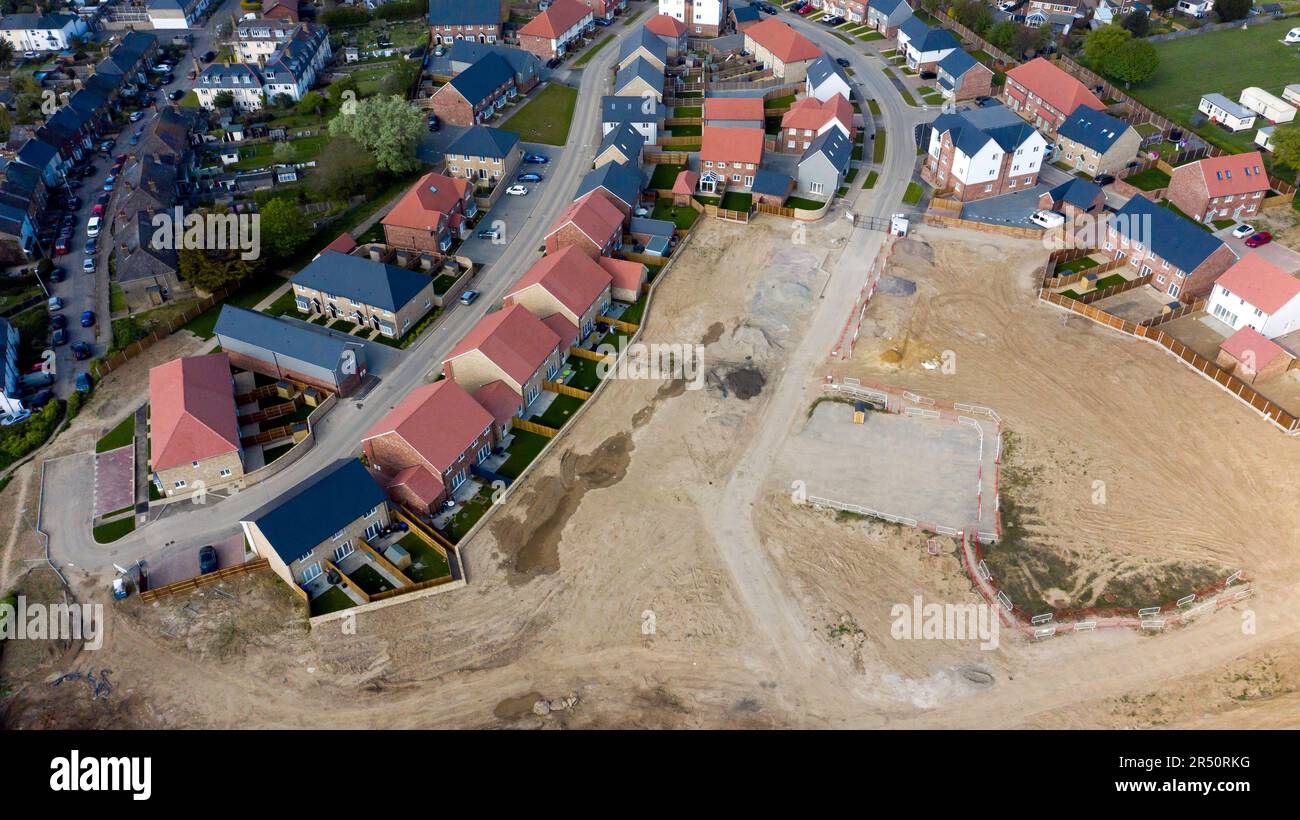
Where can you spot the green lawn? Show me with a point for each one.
(546, 117)
(426, 562)
(634, 314)
(591, 52)
(559, 412)
(284, 304)
(737, 201)
(1082, 263)
(686, 130)
(369, 579)
(780, 102)
(253, 293)
(331, 600)
(1152, 179)
(584, 373)
(803, 204)
(913, 194)
(665, 174)
(683, 216)
(870, 181)
(688, 111)
(468, 515)
(1224, 61)
(120, 436)
(107, 533)
(878, 148)
(521, 452)
(1110, 281)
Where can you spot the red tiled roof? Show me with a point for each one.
(811, 113)
(192, 410)
(440, 420)
(595, 215)
(513, 339)
(1261, 283)
(557, 19)
(343, 244)
(685, 182)
(1231, 174)
(423, 206)
(1061, 91)
(570, 275)
(562, 327)
(733, 108)
(732, 144)
(423, 484)
(1249, 345)
(786, 44)
(499, 399)
(665, 26)
(627, 275)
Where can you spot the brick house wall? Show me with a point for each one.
(937, 173)
(977, 82)
(539, 302)
(542, 47)
(801, 137)
(569, 234)
(473, 370)
(479, 32)
(451, 107)
(1082, 158)
(1032, 108)
(208, 472)
(1187, 191)
(390, 453)
(854, 10)
(416, 239)
(1167, 278)
(324, 551)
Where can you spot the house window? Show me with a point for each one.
(371, 511)
(194, 464)
(336, 536)
(311, 573)
(179, 484)
(224, 472)
(373, 530)
(344, 550)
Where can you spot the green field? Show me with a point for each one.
(546, 117)
(1223, 61)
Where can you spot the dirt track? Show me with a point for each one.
(621, 572)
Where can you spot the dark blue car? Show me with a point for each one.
(529, 177)
(88, 318)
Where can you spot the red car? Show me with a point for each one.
(1261, 238)
(98, 210)
(61, 247)
(806, 8)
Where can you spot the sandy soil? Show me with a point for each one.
(605, 575)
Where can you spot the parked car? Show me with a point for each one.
(191, 74)
(40, 398)
(83, 383)
(108, 184)
(1243, 231)
(92, 226)
(536, 159)
(554, 62)
(59, 337)
(208, 56)
(58, 274)
(1261, 238)
(1047, 219)
(98, 210)
(80, 351)
(207, 560)
(16, 418)
(928, 75)
(88, 264)
(88, 318)
(517, 190)
(61, 246)
(600, 21)
(467, 297)
(58, 322)
(843, 62)
(1103, 179)
(434, 123)
(74, 202)
(175, 96)
(489, 233)
(136, 116)
(54, 304)
(529, 176)
(92, 245)
(69, 220)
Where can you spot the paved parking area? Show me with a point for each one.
(181, 565)
(1275, 252)
(1008, 209)
(114, 479)
(512, 213)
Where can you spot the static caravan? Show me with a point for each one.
(1264, 138)
(1268, 106)
(1292, 92)
(1222, 110)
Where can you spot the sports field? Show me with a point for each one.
(1223, 61)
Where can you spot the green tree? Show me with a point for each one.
(387, 127)
(6, 53)
(311, 103)
(284, 228)
(224, 99)
(1136, 23)
(283, 152)
(341, 85)
(1134, 62)
(1101, 44)
(1163, 6)
(1286, 145)
(212, 270)
(342, 169)
(1229, 10)
(1002, 35)
(973, 14)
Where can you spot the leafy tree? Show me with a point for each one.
(400, 79)
(284, 228)
(1229, 10)
(1028, 40)
(342, 169)
(973, 14)
(6, 53)
(387, 127)
(1286, 145)
(283, 152)
(345, 83)
(1101, 44)
(224, 99)
(311, 103)
(210, 270)
(1163, 6)
(1002, 35)
(6, 123)
(1134, 62)
(1136, 23)
(282, 101)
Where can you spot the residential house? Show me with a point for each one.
(431, 215)
(175, 14)
(643, 44)
(703, 18)
(1231, 186)
(824, 164)
(557, 30)
(962, 77)
(144, 267)
(319, 522)
(1095, 142)
(771, 187)
(671, 31)
(827, 79)
(924, 47)
(280, 10)
(742, 17)
(734, 112)
(620, 183)
(1074, 197)
(981, 153)
(1183, 260)
(291, 349)
(647, 119)
(1045, 95)
(1255, 293)
(426, 447)
(640, 78)
(527, 67)
(484, 154)
(592, 223)
(1060, 24)
(809, 118)
(568, 290)
(1225, 112)
(778, 47)
(729, 158)
(509, 352)
(476, 94)
(852, 10)
(606, 9)
(474, 20)
(1195, 8)
(240, 79)
(194, 442)
(621, 145)
(292, 69)
(627, 277)
(42, 32)
(258, 38)
(373, 295)
(885, 16)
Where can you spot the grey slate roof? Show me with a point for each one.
(309, 514)
(773, 183)
(627, 139)
(834, 146)
(923, 38)
(640, 67)
(887, 7)
(300, 340)
(1171, 237)
(361, 280)
(478, 82)
(643, 36)
(651, 227)
(525, 64)
(957, 63)
(1077, 192)
(485, 141)
(972, 129)
(1094, 129)
(623, 181)
(464, 12)
(616, 108)
(745, 14)
(823, 68)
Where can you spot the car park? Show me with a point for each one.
(83, 383)
(80, 351)
(1243, 231)
(468, 297)
(1261, 238)
(517, 190)
(88, 318)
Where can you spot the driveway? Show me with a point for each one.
(1008, 209)
(1274, 252)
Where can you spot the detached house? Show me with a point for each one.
(193, 431)
(703, 18)
(427, 446)
(557, 30)
(778, 47)
(507, 355)
(827, 79)
(1232, 186)
(593, 224)
(622, 145)
(824, 164)
(924, 47)
(885, 16)
(962, 77)
(1096, 142)
(431, 215)
(808, 119)
(477, 93)
(1257, 294)
(568, 290)
(371, 294)
(1183, 260)
(646, 116)
(453, 20)
(671, 31)
(981, 153)
(640, 78)
(729, 158)
(1045, 95)
(485, 155)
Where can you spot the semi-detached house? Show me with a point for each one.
(484, 154)
(781, 49)
(568, 285)
(1046, 95)
(1095, 142)
(1232, 186)
(924, 47)
(193, 430)
(291, 349)
(1183, 259)
(431, 215)
(592, 223)
(982, 152)
(729, 158)
(556, 31)
(452, 20)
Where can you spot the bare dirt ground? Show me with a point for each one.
(604, 575)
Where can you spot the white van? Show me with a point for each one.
(92, 227)
(1292, 37)
(1047, 219)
